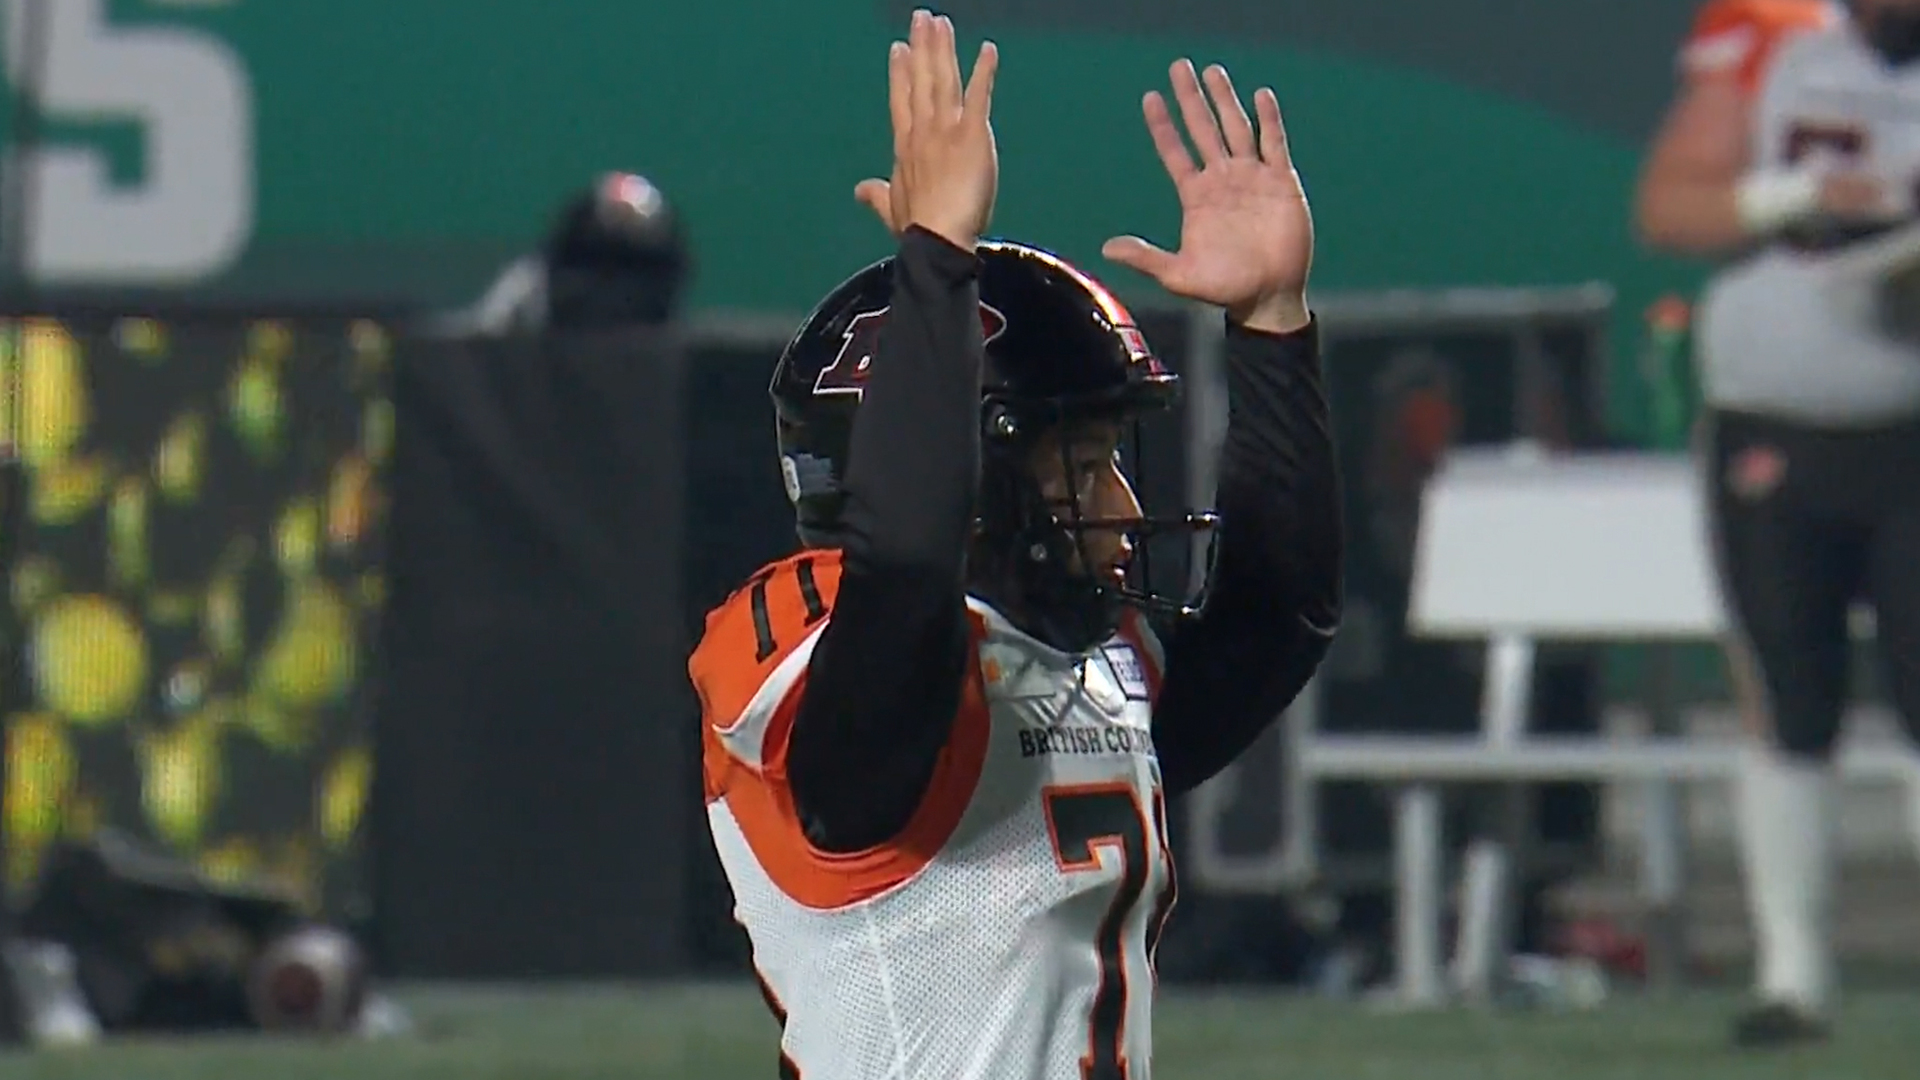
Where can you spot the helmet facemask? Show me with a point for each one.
(1064, 544)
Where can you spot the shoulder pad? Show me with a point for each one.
(764, 621)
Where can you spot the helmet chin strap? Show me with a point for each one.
(1068, 609)
(1034, 583)
(1032, 568)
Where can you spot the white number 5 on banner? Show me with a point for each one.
(191, 213)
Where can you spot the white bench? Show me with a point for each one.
(1517, 548)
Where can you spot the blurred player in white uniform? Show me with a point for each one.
(1793, 147)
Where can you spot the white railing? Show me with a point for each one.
(1520, 549)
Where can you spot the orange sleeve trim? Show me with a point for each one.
(1738, 39)
(760, 625)
(763, 808)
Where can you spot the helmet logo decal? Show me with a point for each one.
(848, 372)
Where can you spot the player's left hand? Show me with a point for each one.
(1246, 235)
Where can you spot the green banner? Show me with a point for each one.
(370, 147)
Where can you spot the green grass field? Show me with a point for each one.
(722, 1033)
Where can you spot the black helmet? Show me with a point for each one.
(1060, 349)
(616, 254)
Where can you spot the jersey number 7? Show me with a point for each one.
(1082, 819)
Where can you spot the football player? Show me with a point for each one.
(940, 738)
(1795, 139)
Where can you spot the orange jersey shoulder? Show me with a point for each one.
(1737, 38)
(751, 644)
(760, 625)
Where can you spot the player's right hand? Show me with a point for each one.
(946, 170)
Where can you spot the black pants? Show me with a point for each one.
(1807, 522)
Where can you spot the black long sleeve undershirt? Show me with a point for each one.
(1275, 597)
(884, 682)
(885, 678)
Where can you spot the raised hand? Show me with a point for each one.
(1246, 235)
(946, 170)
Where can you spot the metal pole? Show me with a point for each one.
(29, 31)
(29, 34)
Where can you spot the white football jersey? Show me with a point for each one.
(1785, 333)
(1008, 933)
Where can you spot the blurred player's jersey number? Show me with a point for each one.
(190, 215)
(1839, 143)
(1833, 145)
